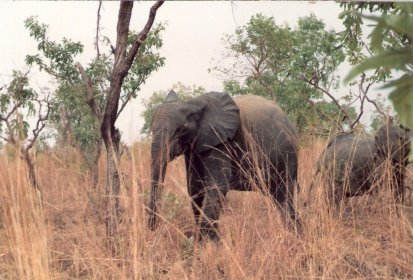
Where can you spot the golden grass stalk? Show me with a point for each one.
(25, 251)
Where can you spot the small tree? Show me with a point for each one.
(82, 93)
(19, 103)
(124, 58)
(134, 60)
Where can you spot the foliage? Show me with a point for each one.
(55, 58)
(353, 37)
(73, 117)
(15, 104)
(149, 61)
(184, 93)
(392, 52)
(287, 65)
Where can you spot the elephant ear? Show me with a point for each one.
(171, 97)
(219, 122)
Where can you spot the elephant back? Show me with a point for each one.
(266, 127)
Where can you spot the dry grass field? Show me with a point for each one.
(62, 236)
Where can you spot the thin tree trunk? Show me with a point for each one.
(95, 165)
(30, 169)
(111, 138)
(112, 188)
(110, 134)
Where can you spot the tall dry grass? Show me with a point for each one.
(62, 236)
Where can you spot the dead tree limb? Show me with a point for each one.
(124, 103)
(365, 91)
(90, 92)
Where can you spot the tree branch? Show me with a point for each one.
(97, 30)
(12, 111)
(128, 97)
(11, 139)
(324, 115)
(329, 95)
(41, 122)
(364, 91)
(90, 98)
(140, 38)
(362, 98)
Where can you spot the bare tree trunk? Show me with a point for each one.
(30, 169)
(112, 190)
(95, 165)
(111, 138)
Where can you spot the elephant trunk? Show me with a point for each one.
(158, 170)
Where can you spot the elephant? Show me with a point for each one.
(353, 163)
(228, 144)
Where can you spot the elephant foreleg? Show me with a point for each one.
(196, 192)
(212, 206)
(217, 176)
(195, 185)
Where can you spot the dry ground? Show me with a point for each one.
(63, 237)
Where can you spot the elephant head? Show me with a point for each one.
(198, 124)
(393, 142)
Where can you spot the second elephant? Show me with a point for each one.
(352, 164)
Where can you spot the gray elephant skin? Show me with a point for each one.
(353, 163)
(228, 144)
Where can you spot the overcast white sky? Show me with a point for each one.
(191, 39)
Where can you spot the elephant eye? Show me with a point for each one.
(179, 130)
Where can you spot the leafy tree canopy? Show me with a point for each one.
(289, 65)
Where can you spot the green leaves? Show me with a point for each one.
(402, 98)
(16, 104)
(396, 57)
(73, 115)
(388, 59)
(56, 59)
(276, 61)
(147, 61)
